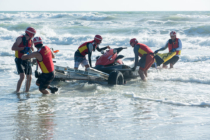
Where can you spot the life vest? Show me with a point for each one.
(173, 45)
(143, 49)
(83, 49)
(46, 64)
(24, 43)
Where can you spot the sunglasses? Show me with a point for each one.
(29, 36)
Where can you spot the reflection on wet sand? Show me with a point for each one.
(34, 119)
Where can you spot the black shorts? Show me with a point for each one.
(173, 60)
(45, 79)
(23, 66)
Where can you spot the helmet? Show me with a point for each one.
(172, 33)
(37, 40)
(98, 39)
(30, 31)
(133, 40)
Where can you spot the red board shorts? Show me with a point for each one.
(146, 62)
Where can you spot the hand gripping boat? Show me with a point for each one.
(109, 67)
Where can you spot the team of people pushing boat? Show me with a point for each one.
(24, 51)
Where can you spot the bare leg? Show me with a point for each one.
(87, 67)
(44, 91)
(165, 66)
(22, 76)
(28, 83)
(145, 73)
(48, 87)
(171, 65)
(141, 74)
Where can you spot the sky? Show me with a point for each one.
(104, 5)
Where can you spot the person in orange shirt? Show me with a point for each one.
(23, 44)
(44, 57)
(146, 55)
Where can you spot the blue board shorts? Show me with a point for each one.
(80, 60)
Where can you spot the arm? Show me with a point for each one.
(135, 50)
(90, 49)
(16, 44)
(89, 58)
(53, 56)
(163, 48)
(180, 45)
(32, 47)
(101, 49)
(36, 55)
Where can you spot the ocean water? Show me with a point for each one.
(172, 104)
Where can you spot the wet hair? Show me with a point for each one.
(39, 45)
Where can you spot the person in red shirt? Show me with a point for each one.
(87, 48)
(174, 45)
(44, 57)
(23, 44)
(146, 55)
